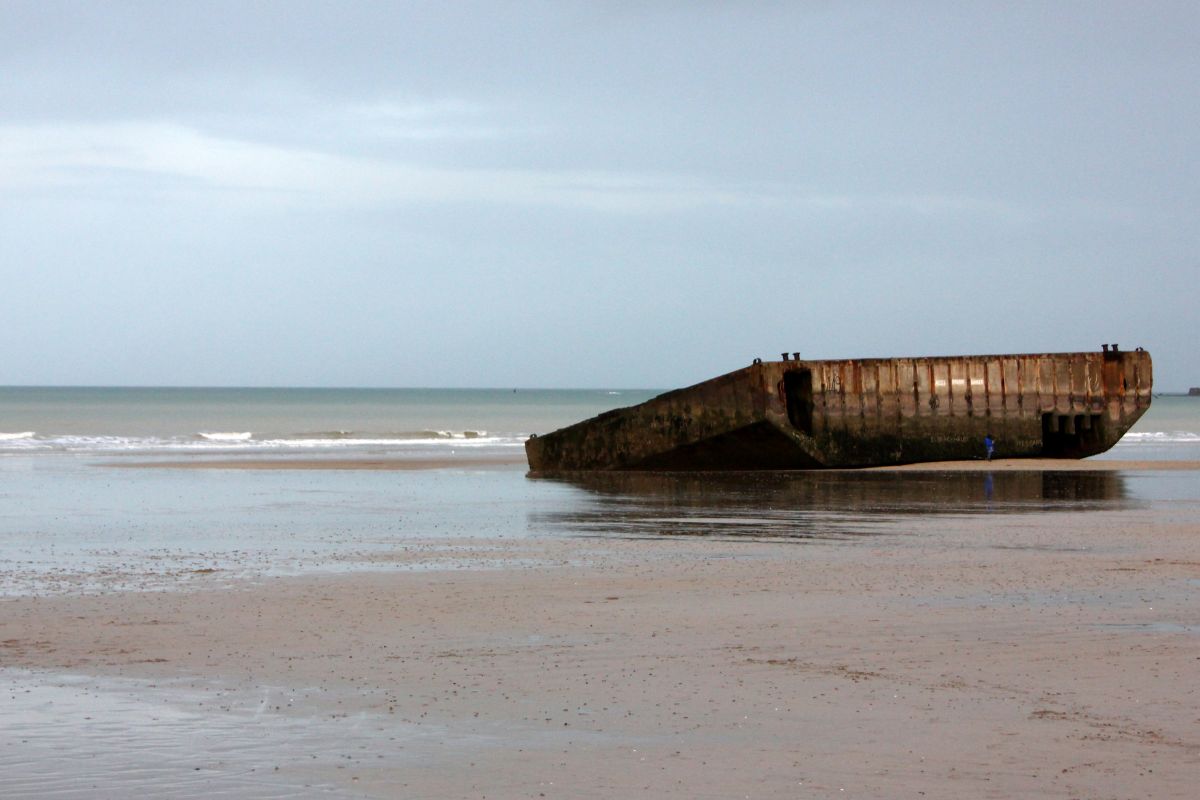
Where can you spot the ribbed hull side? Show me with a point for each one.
(866, 412)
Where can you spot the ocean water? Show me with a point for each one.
(150, 421)
(76, 515)
(1169, 430)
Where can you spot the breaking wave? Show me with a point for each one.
(248, 442)
(226, 437)
(397, 435)
(1160, 437)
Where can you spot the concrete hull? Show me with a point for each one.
(866, 412)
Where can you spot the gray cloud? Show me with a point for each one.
(587, 193)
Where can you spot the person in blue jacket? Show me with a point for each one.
(989, 446)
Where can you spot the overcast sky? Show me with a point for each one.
(620, 194)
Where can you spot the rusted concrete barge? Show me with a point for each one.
(797, 414)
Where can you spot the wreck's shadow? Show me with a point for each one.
(818, 504)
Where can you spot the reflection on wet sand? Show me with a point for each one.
(820, 504)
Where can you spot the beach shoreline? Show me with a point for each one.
(1050, 660)
(1046, 465)
(491, 460)
(405, 463)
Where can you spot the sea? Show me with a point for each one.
(111, 421)
(92, 498)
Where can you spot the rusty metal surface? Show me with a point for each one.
(798, 414)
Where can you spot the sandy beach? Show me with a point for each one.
(1022, 655)
(477, 462)
(1047, 465)
(470, 461)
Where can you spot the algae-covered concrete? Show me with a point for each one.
(797, 414)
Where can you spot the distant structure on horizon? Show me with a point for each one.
(798, 414)
(1194, 391)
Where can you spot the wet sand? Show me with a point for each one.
(1046, 465)
(1028, 655)
(468, 461)
(472, 461)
